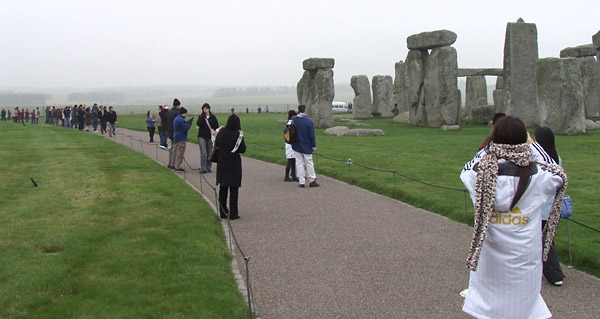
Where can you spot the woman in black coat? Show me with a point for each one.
(229, 168)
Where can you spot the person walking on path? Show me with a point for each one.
(159, 122)
(230, 143)
(88, 119)
(171, 115)
(111, 117)
(180, 131)
(544, 137)
(207, 124)
(150, 120)
(95, 117)
(505, 257)
(304, 148)
(289, 154)
(102, 118)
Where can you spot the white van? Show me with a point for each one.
(339, 107)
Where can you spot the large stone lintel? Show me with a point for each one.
(430, 40)
(318, 63)
(596, 40)
(578, 51)
(473, 72)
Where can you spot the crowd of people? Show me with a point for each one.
(72, 116)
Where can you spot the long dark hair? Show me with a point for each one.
(545, 137)
(291, 113)
(511, 130)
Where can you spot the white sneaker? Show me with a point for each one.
(558, 283)
(464, 293)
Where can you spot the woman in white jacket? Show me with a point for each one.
(506, 252)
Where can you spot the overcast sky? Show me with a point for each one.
(107, 43)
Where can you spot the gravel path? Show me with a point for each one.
(339, 251)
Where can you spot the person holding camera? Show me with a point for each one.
(180, 131)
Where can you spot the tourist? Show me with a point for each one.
(67, 113)
(33, 117)
(180, 131)
(163, 129)
(37, 115)
(230, 143)
(150, 125)
(304, 147)
(9, 115)
(74, 117)
(89, 119)
(267, 109)
(171, 115)
(551, 267)
(81, 117)
(102, 114)
(505, 258)
(3, 114)
(159, 125)
(95, 117)
(22, 116)
(27, 116)
(289, 154)
(111, 117)
(495, 119)
(207, 124)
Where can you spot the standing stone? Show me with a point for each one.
(316, 90)
(476, 92)
(414, 77)
(430, 40)
(590, 71)
(440, 86)
(520, 58)
(361, 105)
(400, 98)
(382, 95)
(498, 96)
(596, 43)
(561, 95)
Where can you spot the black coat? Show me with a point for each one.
(229, 168)
(203, 130)
(163, 119)
(171, 115)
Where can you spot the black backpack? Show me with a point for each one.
(289, 132)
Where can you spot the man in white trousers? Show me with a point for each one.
(304, 147)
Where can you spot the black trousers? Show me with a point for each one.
(233, 202)
(151, 131)
(291, 165)
(552, 270)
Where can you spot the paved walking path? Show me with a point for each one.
(339, 251)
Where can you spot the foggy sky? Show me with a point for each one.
(82, 43)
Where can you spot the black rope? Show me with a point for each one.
(586, 226)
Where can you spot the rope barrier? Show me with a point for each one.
(233, 242)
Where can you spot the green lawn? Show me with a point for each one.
(432, 156)
(109, 233)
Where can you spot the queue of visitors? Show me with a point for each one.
(72, 116)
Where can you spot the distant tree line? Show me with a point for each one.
(100, 97)
(17, 99)
(254, 90)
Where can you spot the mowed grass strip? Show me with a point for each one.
(108, 233)
(432, 156)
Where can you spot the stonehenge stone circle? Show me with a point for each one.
(399, 94)
(430, 40)
(382, 95)
(440, 86)
(414, 76)
(476, 92)
(316, 90)
(560, 88)
(520, 58)
(345, 131)
(362, 105)
(402, 118)
(578, 51)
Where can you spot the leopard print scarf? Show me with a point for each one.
(485, 194)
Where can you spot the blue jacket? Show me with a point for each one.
(180, 127)
(306, 135)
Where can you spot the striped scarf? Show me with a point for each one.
(485, 194)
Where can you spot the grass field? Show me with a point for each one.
(432, 156)
(109, 233)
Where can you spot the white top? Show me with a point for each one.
(508, 280)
